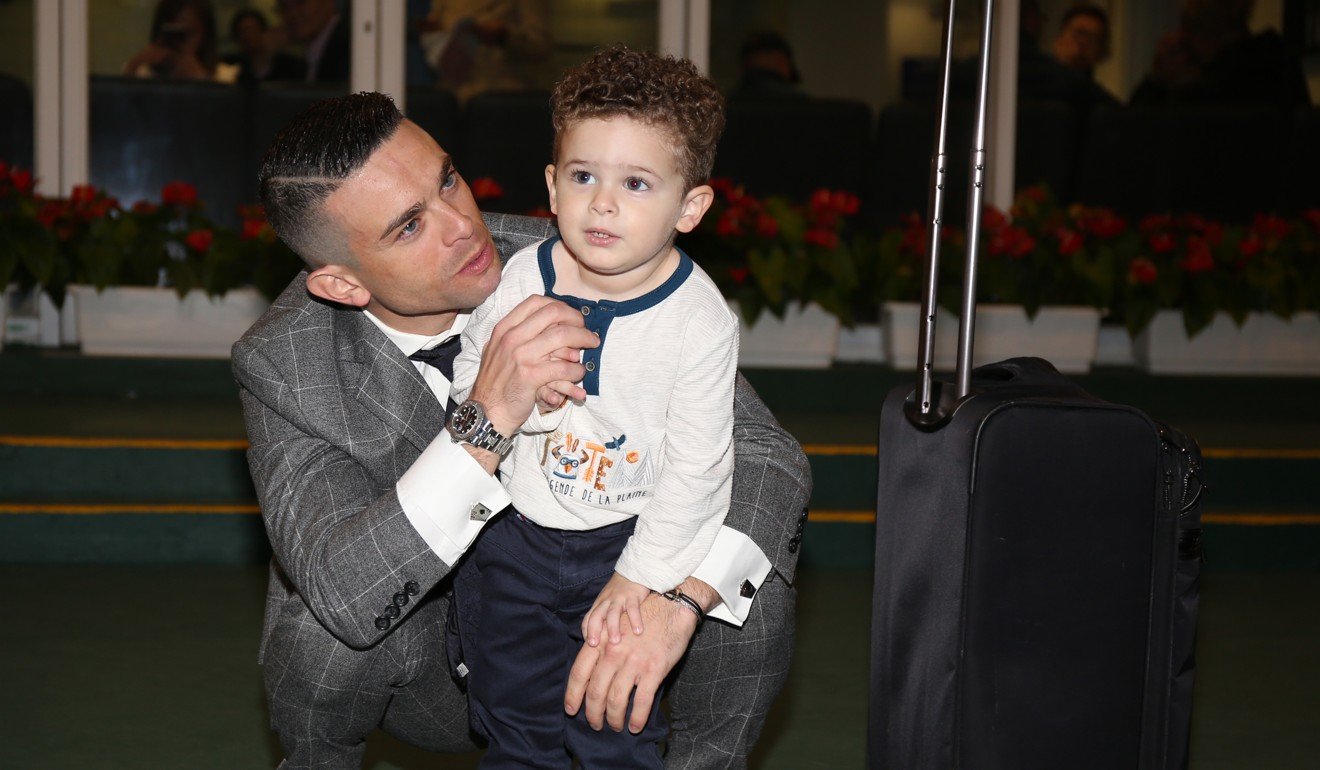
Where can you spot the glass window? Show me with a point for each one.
(16, 82)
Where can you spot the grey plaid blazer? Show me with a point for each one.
(335, 414)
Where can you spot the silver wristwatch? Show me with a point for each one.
(468, 425)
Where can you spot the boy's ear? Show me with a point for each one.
(695, 205)
(550, 185)
(336, 283)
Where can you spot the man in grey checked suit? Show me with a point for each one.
(368, 501)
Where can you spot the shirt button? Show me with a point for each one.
(586, 310)
(591, 366)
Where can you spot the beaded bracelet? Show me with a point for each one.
(677, 595)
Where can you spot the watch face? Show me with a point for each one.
(466, 418)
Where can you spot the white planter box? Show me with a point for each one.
(864, 343)
(143, 321)
(1265, 344)
(1066, 336)
(805, 338)
(29, 318)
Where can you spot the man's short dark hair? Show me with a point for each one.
(661, 91)
(1086, 9)
(310, 158)
(242, 15)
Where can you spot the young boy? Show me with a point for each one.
(621, 490)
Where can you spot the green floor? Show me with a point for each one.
(154, 667)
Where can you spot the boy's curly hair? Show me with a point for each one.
(662, 91)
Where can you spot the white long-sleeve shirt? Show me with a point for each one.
(654, 438)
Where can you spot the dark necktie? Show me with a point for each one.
(441, 357)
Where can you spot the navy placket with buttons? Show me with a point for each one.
(599, 314)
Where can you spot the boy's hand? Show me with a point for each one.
(553, 395)
(619, 596)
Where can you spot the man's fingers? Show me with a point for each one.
(579, 676)
(643, 699)
(616, 704)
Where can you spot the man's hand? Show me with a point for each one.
(606, 676)
(532, 346)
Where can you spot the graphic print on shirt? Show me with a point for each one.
(599, 470)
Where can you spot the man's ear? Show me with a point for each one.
(695, 205)
(335, 283)
(550, 186)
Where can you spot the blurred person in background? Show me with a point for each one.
(182, 45)
(323, 32)
(1213, 58)
(258, 58)
(1083, 40)
(474, 45)
(767, 68)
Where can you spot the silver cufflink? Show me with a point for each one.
(480, 512)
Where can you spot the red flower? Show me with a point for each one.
(738, 274)
(1142, 271)
(49, 212)
(722, 185)
(1249, 246)
(4, 169)
(1198, 258)
(199, 240)
(252, 229)
(1213, 233)
(1013, 241)
(1070, 241)
(826, 239)
(486, 188)
(846, 203)
(83, 193)
(728, 224)
(22, 179)
(1272, 227)
(178, 194)
(144, 207)
(1102, 223)
(1162, 243)
(97, 210)
(993, 220)
(766, 226)
(1313, 216)
(1156, 222)
(822, 200)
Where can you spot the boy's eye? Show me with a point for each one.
(581, 177)
(633, 184)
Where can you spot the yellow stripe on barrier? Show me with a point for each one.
(70, 442)
(102, 508)
(1247, 519)
(1218, 453)
(812, 450)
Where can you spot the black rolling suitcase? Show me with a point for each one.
(1037, 558)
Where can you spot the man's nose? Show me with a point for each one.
(455, 225)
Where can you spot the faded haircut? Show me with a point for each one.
(660, 91)
(310, 158)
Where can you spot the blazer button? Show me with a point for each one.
(392, 611)
(382, 623)
(400, 599)
(412, 588)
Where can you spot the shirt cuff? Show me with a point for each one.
(734, 560)
(448, 497)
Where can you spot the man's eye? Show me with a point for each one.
(450, 180)
(411, 227)
(581, 177)
(633, 184)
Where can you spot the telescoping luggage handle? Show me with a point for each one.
(926, 408)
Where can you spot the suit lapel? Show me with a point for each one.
(384, 381)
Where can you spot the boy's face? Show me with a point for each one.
(620, 197)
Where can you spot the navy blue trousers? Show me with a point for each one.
(521, 598)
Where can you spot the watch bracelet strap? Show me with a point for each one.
(677, 595)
